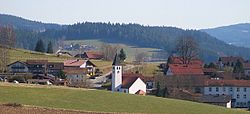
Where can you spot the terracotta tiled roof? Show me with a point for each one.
(237, 83)
(127, 81)
(140, 92)
(189, 69)
(177, 60)
(91, 55)
(94, 55)
(76, 63)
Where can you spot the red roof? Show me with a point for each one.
(94, 55)
(129, 78)
(178, 60)
(74, 63)
(186, 69)
(127, 81)
(237, 83)
(140, 92)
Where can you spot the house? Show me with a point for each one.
(229, 61)
(221, 100)
(18, 67)
(44, 67)
(184, 69)
(90, 55)
(246, 67)
(239, 90)
(76, 77)
(63, 53)
(148, 80)
(80, 64)
(126, 84)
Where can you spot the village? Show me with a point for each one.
(224, 82)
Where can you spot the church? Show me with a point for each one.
(131, 84)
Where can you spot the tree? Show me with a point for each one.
(211, 65)
(238, 68)
(122, 55)
(50, 48)
(40, 46)
(7, 41)
(187, 49)
(140, 57)
(109, 51)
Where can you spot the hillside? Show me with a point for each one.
(238, 34)
(159, 37)
(21, 23)
(102, 101)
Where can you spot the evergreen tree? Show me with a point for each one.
(39, 46)
(238, 68)
(122, 55)
(211, 65)
(50, 48)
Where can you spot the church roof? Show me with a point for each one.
(116, 60)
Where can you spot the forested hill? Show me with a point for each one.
(21, 23)
(143, 36)
(146, 36)
(238, 34)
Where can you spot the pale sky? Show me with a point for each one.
(187, 14)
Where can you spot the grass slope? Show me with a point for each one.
(103, 101)
(23, 55)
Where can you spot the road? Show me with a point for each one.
(98, 81)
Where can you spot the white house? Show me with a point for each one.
(126, 84)
(239, 90)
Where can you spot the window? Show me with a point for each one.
(231, 89)
(245, 89)
(245, 96)
(113, 68)
(238, 96)
(124, 91)
(238, 89)
(224, 89)
(217, 89)
(210, 89)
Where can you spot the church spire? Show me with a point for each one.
(116, 60)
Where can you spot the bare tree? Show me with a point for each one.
(139, 57)
(7, 40)
(187, 48)
(109, 51)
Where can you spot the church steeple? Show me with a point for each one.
(116, 74)
(116, 61)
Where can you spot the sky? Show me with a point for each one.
(187, 14)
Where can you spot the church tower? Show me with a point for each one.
(116, 74)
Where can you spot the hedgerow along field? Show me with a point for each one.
(103, 101)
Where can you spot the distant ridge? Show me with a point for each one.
(165, 38)
(238, 34)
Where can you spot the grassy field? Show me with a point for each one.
(23, 55)
(103, 101)
(131, 51)
(147, 69)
